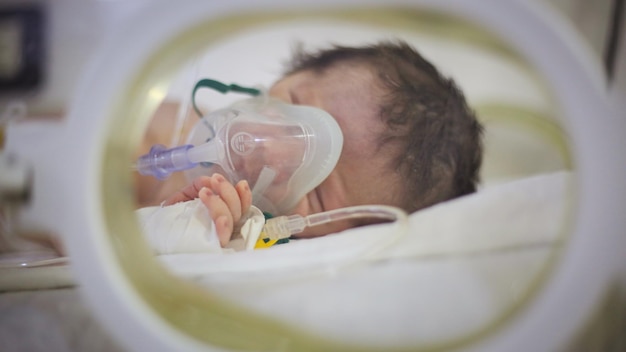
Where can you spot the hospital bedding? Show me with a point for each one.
(461, 265)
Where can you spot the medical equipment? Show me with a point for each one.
(160, 162)
(286, 225)
(187, 227)
(145, 309)
(283, 150)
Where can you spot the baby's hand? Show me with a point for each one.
(226, 203)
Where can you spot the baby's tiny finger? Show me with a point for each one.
(219, 213)
(201, 182)
(229, 195)
(223, 227)
(189, 192)
(245, 195)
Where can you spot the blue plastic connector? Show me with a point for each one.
(160, 162)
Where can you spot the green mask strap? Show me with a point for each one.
(220, 87)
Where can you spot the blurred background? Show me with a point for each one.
(66, 33)
(46, 45)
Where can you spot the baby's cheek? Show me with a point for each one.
(280, 92)
(302, 208)
(326, 229)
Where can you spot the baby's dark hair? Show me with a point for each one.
(439, 140)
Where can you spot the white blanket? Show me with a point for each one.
(461, 265)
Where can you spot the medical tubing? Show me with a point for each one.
(284, 226)
(160, 162)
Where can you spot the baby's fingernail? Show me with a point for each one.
(205, 192)
(219, 177)
(245, 185)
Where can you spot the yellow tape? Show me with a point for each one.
(264, 242)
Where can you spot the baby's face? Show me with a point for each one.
(351, 96)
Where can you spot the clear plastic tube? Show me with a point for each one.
(160, 162)
(284, 226)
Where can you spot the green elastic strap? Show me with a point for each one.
(220, 87)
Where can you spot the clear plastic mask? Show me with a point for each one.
(284, 151)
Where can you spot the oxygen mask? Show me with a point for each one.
(283, 150)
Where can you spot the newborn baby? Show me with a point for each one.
(410, 140)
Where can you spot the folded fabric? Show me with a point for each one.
(187, 227)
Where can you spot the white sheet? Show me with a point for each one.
(459, 267)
